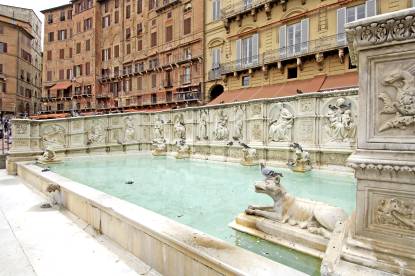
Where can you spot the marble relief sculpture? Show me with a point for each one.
(49, 157)
(315, 217)
(238, 123)
(396, 212)
(203, 125)
(158, 130)
(53, 136)
(183, 150)
(221, 130)
(96, 133)
(402, 104)
(249, 155)
(280, 124)
(129, 132)
(179, 128)
(302, 162)
(341, 125)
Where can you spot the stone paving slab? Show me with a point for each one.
(43, 242)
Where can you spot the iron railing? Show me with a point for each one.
(165, 3)
(241, 7)
(242, 64)
(187, 96)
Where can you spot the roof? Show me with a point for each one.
(289, 88)
(57, 8)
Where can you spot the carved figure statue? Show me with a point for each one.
(183, 150)
(54, 191)
(49, 157)
(318, 218)
(158, 130)
(341, 125)
(179, 127)
(129, 133)
(96, 133)
(249, 155)
(302, 162)
(203, 125)
(403, 104)
(159, 148)
(239, 123)
(221, 131)
(396, 212)
(278, 130)
(53, 136)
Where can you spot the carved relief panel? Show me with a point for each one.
(96, 130)
(304, 131)
(280, 122)
(53, 136)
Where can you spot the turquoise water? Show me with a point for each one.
(207, 195)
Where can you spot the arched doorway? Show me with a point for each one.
(215, 91)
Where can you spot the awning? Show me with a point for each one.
(289, 88)
(62, 85)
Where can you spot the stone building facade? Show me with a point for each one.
(122, 54)
(272, 48)
(20, 61)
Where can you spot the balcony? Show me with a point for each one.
(311, 47)
(214, 74)
(188, 96)
(185, 79)
(320, 45)
(165, 4)
(242, 64)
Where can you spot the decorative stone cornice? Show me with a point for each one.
(390, 28)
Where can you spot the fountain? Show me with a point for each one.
(302, 162)
(49, 157)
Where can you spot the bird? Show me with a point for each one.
(46, 170)
(230, 143)
(268, 173)
(129, 182)
(244, 145)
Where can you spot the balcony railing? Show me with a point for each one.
(313, 46)
(241, 7)
(320, 45)
(214, 74)
(165, 4)
(187, 96)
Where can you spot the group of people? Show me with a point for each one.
(5, 128)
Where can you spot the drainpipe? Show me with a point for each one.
(17, 69)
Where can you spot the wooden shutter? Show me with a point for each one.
(370, 8)
(238, 52)
(255, 48)
(341, 21)
(304, 34)
(283, 41)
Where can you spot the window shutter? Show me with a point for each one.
(304, 34)
(341, 21)
(255, 48)
(238, 53)
(370, 8)
(283, 42)
(215, 6)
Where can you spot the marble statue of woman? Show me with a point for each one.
(278, 130)
(158, 129)
(129, 134)
(222, 131)
(179, 128)
(203, 124)
(238, 124)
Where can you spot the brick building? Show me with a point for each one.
(122, 54)
(20, 61)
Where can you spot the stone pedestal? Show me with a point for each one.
(382, 235)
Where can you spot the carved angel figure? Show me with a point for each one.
(278, 130)
(221, 131)
(403, 105)
(341, 126)
(179, 127)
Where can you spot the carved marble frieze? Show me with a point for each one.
(179, 127)
(340, 121)
(53, 136)
(221, 131)
(129, 130)
(238, 122)
(95, 132)
(21, 128)
(203, 125)
(280, 123)
(395, 212)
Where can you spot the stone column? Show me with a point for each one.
(383, 232)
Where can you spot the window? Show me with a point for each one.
(1, 68)
(116, 17)
(1, 29)
(62, 35)
(70, 52)
(106, 21)
(153, 63)
(215, 58)
(87, 68)
(128, 33)
(51, 36)
(87, 24)
(117, 4)
(78, 70)
(169, 33)
(139, 28)
(78, 47)
(128, 11)
(154, 39)
(78, 27)
(69, 14)
(3, 87)
(69, 74)
(106, 7)
(87, 45)
(151, 4)
(49, 76)
(186, 75)
(106, 54)
(3, 47)
(62, 16)
(116, 51)
(215, 10)
(247, 50)
(153, 81)
(62, 53)
(153, 98)
(128, 49)
(139, 83)
(245, 81)
(61, 74)
(187, 26)
(294, 38)
(49, 55)
(139, 6)
(50, 18)
(26, 56)
(292, 73)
